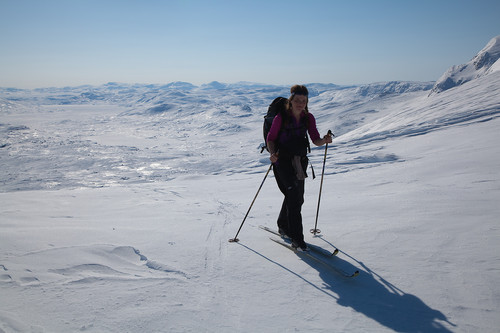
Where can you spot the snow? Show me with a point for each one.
(118, 201)
(482, 64)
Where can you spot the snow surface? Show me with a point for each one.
(117, 203)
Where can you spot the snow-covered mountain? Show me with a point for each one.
(190, 117)
(485, 62)
(117, 203)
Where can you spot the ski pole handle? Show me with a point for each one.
(330, 134)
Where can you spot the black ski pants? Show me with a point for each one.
(290, 217)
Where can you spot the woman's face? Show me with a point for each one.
(299, 103)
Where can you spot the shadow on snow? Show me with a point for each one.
(373, 296)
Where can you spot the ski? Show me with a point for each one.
(315, 248)
(312, 256)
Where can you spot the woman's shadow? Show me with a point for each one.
(373, 296)
(377, 298)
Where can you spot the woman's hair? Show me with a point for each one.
(299, 90)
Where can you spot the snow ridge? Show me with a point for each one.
(85, 264)
(483, 63)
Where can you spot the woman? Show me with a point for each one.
(288, 144)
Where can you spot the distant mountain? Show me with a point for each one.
(214, 85)
(381, 89)
(485, 62)
(160, 98)
(179, 85)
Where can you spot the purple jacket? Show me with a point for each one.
(273, 134)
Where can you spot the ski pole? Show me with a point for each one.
(316, 230)
(232, 240)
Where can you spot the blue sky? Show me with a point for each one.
(73, 42)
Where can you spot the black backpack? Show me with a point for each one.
(277, 106)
